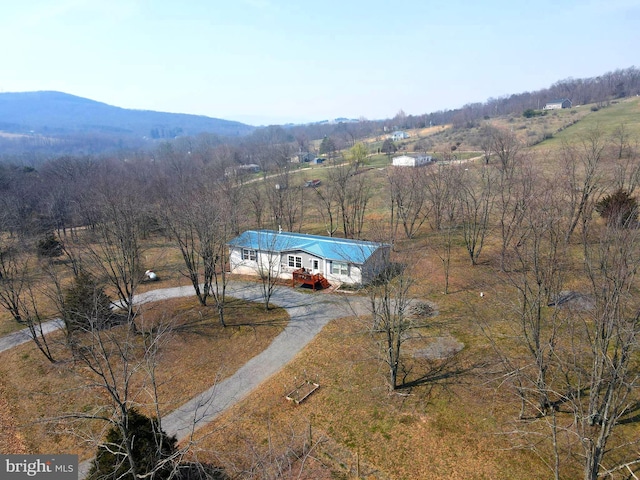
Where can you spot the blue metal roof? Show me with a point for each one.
(330, 248)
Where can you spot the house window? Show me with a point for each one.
(295, 261)
(339, 268)
(248, 254)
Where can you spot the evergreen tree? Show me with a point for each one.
(49, 246)
(86, 306)
(620, 209)
(139, 441)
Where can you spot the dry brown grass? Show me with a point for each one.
(443, 430)
(193, 356)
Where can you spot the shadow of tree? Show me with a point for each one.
(632, 415)
(441, 373)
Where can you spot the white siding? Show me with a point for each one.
(279, 264)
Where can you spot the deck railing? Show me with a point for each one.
(306, 278)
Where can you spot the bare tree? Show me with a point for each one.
(506, 146)
(408, 198)
(256, 197)
(446, 238)
(198, 219)
(13, 280)
(441, 187)
(627, 169)
(389, 299)
(113, 248)
(19, 297)
(269, 264)
(515, 188)
(582, 174)
(114, 363)
(353, 192)
(475, 197)
(621, 141)
(611, 380)
(328, 207)
(286, 202)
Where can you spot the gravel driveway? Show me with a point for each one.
(308, 313)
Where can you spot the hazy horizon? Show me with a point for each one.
(278, 61)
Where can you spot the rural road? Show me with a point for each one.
(308, 313)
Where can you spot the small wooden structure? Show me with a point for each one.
(302, 391)
(303, 277)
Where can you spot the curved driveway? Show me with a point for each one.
(308, 313)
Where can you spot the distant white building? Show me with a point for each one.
(407, 161)
(399, 135)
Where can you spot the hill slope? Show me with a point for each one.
(56, 113)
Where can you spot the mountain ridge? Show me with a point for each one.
(51, 112)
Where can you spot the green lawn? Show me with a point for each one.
(625, 112)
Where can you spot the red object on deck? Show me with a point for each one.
(306, 278)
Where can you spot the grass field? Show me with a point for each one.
(607, 119)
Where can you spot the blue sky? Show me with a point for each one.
(277, 61)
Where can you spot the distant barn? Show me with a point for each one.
(558, 104)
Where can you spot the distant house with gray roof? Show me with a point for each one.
(283, 253)
(558, 104)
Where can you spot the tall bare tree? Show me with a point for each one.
(583, 174)
(515, 189)
(197, 216)
(476, 201)
(328, 207)
(441, 187)
(408, 198)
(353, 192)
(389, 300)
(19, 295)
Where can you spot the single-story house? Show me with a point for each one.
(558, 104)
(407, 161)
(338, 260)
(399, 135)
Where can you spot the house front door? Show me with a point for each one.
(316, 266)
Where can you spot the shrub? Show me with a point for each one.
(49, 247)
(620, 209)
(86, 305)
(148, 445)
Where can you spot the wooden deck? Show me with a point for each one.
(316, 280)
